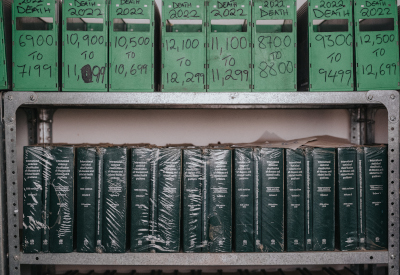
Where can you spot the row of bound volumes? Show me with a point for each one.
(286, 199)
(223, 199)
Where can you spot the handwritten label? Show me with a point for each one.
(230, 8)
(328, 9)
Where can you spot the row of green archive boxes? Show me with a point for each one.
(198, 46)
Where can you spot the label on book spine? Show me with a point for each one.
(169, 197)
(140, 198)
(205, 200)
(115, 195)
(32, 199)
(257, 201)
(62, 200)
(376, 197)
(154, 199)
(99, 175)
(192, 187)
(48, 160)
(324, 199)
(244, 198)
(347, 198)
(361, 198)
(86, 199)
(309, 199)
(220, 206)
(295, 208)
(272, 182)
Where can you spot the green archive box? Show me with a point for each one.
(229, 46)
(326, 46)
(184, 46)
(5, 70)
(377, 45)
(274, 52)
(133, 51)
(85, 46)
(35, 47)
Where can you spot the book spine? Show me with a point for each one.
(347, 198)
(220, 204)
(154, 199)
(361, 198)
(295, 200)
(169, 197)
(86, 199)
(257, 200)
(309, 198)
(272, 183)
(114, 199)
(99, 177)
(324, 199)
(192, 177)
(62, 200)
(205, 200)
(140, 198)
(32, 199)
(244, 198)
(48, 160)
(376, 197)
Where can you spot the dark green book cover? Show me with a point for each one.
(62, 199)
(99, 175)
(191, 210)
(347, 199)
(272, 183)
(154, 199)
(86, 199)
(140, 198)
(257, 200)
(220, 203)
(169, 199)
(244, 200)
(295, 200)
(32, 199)
(114, 199)
(205, 200)
(48, 159)
(376, 197)
(308, 198)
(361, 197)
(324, 199)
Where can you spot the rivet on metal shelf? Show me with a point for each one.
(392, 118)
(370, 97)
(10, 97)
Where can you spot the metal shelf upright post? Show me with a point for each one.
(362, 105)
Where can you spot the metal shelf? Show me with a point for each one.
(355, 101)
(208, 259)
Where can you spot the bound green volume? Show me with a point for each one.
(295, 200)
(347, 199)
(272, 183)
(220, 203)
(361, 197)
(191, 210)
(32, 199)
(140, 198)
(62, 199)
(114, 200)
(324, 199)
(244, 200)
(86, 199)
(376, 192)
(169, 198)
(309, 198)
(99, 197)
(47, 178)
(205, 201)
(154, 200)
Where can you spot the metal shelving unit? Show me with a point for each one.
(362, 106)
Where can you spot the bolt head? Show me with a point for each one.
(392, 118)
(392, 96)
(392, 256)
(370, 97)
(16, 257)
(10, 97)
(32, 97)
(11, 119)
